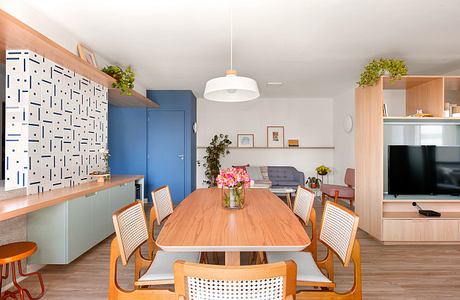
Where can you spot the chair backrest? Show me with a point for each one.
(350, 177)
(162, 202)
(131, 229)
(303, 203)
(202, 281)
(338, 230)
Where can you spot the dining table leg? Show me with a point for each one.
(232, 258)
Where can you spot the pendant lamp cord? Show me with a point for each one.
(231, 38)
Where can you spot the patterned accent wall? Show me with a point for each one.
(56, 122)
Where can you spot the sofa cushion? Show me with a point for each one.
(281, 173)
(254, 173)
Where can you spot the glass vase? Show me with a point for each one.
(233, 197)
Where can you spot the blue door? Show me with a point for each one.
(166, 151)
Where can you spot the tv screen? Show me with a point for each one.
(414, 170)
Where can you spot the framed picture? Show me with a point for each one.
(245, 141)
(87, 55)
(275, 136)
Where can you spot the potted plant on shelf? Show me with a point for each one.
(396, 68)
(233, 182)
(313, 182)
(217, 148)
(124, 78)
(103, 175)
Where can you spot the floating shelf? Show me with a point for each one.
(136, 100)
(437, 120)
(416, 215)
(407, 82)
(16, 35)
(280, 148)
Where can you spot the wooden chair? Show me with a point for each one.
(263, 282)
(131, 233)
(344, 192)
(338, 233)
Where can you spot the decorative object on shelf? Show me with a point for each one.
(103, 175)
(323, 171)
(385, 111)
(233, 183)
(217, 148)
(245, 140)
(87, 54)
(396, 68)
(293, 143)
(348, 123)
(420, 114)
(124, 78)
(231, 88)
(275, 136)
(313, 182)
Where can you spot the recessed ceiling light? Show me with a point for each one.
(274, 83)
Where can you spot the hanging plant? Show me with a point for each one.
(377, 67)
(217, 148)
(124, 78)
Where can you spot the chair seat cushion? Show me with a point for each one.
(163, 262)
(307, 270)
(344, 191)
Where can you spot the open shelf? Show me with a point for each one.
(136, 100)
(416, 215)
(409, 120)
(420, 198)
(16, 35)
(407, 82)
(271, 148)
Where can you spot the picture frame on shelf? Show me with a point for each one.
(275, 136)
(245, 140)
(87, 54)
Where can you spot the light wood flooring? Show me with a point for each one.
(389, 272)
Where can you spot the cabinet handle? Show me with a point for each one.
(90, 195)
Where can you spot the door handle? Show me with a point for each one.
(181, 156)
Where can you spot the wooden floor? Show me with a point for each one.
(389, 272)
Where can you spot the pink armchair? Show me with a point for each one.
(345, 192)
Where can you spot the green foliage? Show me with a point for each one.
(125, 79)
(217, 148)
(373, 70)
(312, 181)
(323, 170)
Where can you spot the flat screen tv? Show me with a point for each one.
(423, 170)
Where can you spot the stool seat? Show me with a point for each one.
(16, 251)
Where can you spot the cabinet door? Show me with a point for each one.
(102, 216)
(80, 226)
(122, 195)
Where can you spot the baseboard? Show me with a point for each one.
(30, 269)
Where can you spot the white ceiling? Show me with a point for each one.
(316, 48)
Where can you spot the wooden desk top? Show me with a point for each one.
(200, 223)
(10, 208)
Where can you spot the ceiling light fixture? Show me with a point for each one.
(231, 88)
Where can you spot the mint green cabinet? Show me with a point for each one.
(65, 231)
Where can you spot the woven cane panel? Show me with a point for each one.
(337, 229)
(303, 204)
(133, 230)
(263, 289)
(163, 204)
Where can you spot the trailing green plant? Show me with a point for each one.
(217, 148)
(323, 170)
(124, 78)
(377, 67)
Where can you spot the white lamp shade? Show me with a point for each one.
(231, 88)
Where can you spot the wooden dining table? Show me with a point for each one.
(201, 223)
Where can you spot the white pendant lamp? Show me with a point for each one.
(231, 88)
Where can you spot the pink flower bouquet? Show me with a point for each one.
(233, 182)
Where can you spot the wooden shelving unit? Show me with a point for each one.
(395, 220)
(136, 100)
(16, 35)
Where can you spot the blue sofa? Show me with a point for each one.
(285, 177)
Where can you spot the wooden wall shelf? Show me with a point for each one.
(407, 82)
(416, 215)
(277, 148)
(136, 100)
(16, 35)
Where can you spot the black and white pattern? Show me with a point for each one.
(56, 122)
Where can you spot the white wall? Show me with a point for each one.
(56, 32)
(309, 120)
(344, 142)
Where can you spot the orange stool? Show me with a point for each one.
(11, 254)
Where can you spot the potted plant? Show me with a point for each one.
(396, 68)
(313, 182)
(217, 148)
(323, 170)
(124, 78)
(103, 175)
(233, 182)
